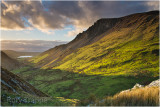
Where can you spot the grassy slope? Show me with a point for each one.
(114, 63)
(127, 51)
(148, 96)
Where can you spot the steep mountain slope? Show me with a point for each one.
(15, 54)
(103, 64)
(132, 50)
(127, 45)
(12, 83)
(8, 62)
(88, 37)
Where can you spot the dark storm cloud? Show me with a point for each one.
(29, 45)
(50, 15)
(24, 14)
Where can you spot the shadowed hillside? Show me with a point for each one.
(17, 92)
(8, 62)
(12, 83)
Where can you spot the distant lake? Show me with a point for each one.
(24, 56)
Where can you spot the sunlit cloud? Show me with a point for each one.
(153, 5)
(75, 31)
(48, 16)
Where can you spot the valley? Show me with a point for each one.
(110, 56)
(16, 54)
(58, 83)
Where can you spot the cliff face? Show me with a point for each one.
(97, 31)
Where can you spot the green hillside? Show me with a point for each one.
(101, 61)
(130, 48)
(129, 51)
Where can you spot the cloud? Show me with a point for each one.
(153, 5)
(29, 45)
(26, 14)
(74, 32)
(48, 16)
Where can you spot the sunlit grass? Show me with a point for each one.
(136, 97)
(72, 85)
(118, 53)
(38, 59)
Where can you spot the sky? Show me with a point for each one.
(61, 20)
(29, 45)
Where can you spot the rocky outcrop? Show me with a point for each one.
(137, 86)
(14, 84)
(155, 83)
(125, 91)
